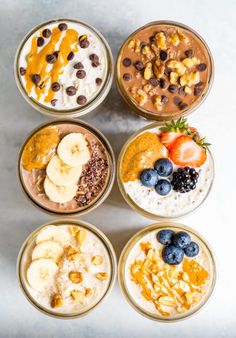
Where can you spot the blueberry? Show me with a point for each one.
(165, 236)
(192, 250)
(181, 239)
(163, 187)
(149, 177)
(172, 255)
(164, 167)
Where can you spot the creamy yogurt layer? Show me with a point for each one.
(65, 59)
(82, 275)
(174, 204)
(171, 282)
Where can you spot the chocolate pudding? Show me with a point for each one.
(65, 167)
(164, 70)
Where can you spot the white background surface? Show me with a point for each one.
(215, 20)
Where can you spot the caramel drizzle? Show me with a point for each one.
(37, 63)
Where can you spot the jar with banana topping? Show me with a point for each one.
(66, 268)
(66, 167)
(64, 68)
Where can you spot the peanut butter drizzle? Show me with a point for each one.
(142, 153)
(40, 148)
(197, 274)
(37, 63)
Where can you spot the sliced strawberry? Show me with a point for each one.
(168, 138)
(186, 152)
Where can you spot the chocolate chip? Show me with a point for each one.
(183, 105)
(127, 76)
(189, 53)
(199, 84)
(126, 62)
(70, 56)
(51, 58)
(197, 91)
(22, 71)
(167, 71)
(173, 88)
(93, 57)
(53, 102)
(71, 91)
(163, 55)
(56, 53)
(84, 43)
(78, 65)
(139, 65)
(181, 91)
(201, 67)
(40, 41)
(36, 78)
(98, 81)
(55, 86)
(46, 33)
(152, 39)
(164, 99)
(154, 81)
(177, 100)
(62, 26)
(163, 83)
(80, 74)
(95, 64)
(81, 100)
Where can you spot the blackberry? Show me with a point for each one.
(184, 179)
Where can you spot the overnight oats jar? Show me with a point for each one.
(164, 70)
(167, 272)
(66, 268)
(165, 171)
(66, 167)
(64, 68)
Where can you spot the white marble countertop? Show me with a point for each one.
(215, 21)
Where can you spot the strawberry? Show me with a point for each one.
(187, 152)
(168, 138)
(171, 131)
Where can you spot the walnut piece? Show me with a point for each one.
(75, 276)
(57, 300)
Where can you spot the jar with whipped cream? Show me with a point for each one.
(66, 268)
(64, 68)
(66, 167)
(167, 272)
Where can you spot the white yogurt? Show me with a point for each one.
(91, 247)
(86, 86)
(137, 253)
(174, 204)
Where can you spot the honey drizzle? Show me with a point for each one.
(37, 64)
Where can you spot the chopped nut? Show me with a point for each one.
(88, 292)
(157, 102)
(72, 253)
(174, 39)
(182, 37)
(187, 90)
(158, 69)
(102, 276)
(147, 51)
(161, 40)
(74, 230)
(190, 62)
(147, 88)
(174, 77)
(76, 277)
(180, 68)
(81, 236)
(77, 295)
(134, 45)
(148, 73)
(97, 260)
(57, 300)
(190, 79)
(139, 96)
(167, 301)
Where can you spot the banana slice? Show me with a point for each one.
(62, 174)
(73, 150)
(41, 274)
(47, 249)
(59, 194)
(53, 233)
